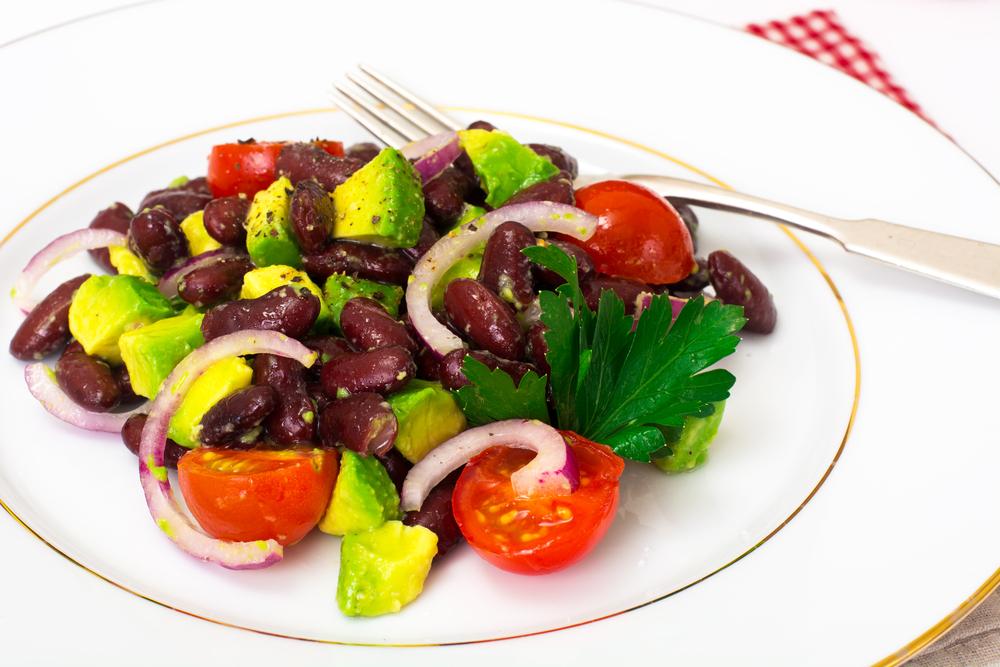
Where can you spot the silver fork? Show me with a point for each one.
(396, 117)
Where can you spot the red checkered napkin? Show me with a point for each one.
(820, 35)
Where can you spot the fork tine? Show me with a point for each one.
(407, 96)
(382, 94)
(404, 128)
(369, 121)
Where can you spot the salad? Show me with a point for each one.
(404, 349)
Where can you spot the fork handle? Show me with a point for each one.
(972, 265)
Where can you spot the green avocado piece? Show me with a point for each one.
(105, 307)
(269, 236)
(690, 448)
(198, 238)
(152, 351)
(178, 182)
(466, 267)
(382, 203)
(469, 213)
(427, 415)
(384, 569)
(363, 498)
(260, 281)
(128, 263)
(504, 166)
(218, 381)
(341, 288)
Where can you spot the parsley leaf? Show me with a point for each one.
(492, 396)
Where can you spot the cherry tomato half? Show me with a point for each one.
(639, 235)
(248, 168)
(536, 535)
(257, 494)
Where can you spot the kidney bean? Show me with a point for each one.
(386, 265)
(180, 202)
(428, 237)
(132, 434)
(364, 423)
(214, 283)
(329, 348)
(311, 216)
(559, 157)
(694, 283)
(735, 284)
(451, 374)
(225, 220)
(584, 265)
(627, 290)
(46, 328)
(688, 217)
(444, 196)
(505, 269)
(428, 365)
(436, 515)
(300, 162)
(156, 237)
(116, 217)
(397, 466)
(230, 421)
(537, 346)
(288, 309)
(367, 326)
(316, 393)
(293, 420)
(482, 125)
(87, 380)
(557, 189)
(381, 371)
(128, 395)
(198, 184)
(365, 151)
(480, 314)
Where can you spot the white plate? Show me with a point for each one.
(860, 571)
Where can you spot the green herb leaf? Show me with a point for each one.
(492, 396)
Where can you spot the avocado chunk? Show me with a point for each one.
(427, 415)
(127, 263)
(689, 449)
(105, 307)
(218, 381)
(260, 281)
(152, 351)
(178, 182)
(364, 496)
(504, 166)
(197, 236)
(469, 213)
(381, 203)
(269, 235)
(466, 267)
(340, 288)
(383, 570)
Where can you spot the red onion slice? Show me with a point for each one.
(168, 284)
(432, 164)
(63, 247)
(553, 472)
(43, 386)
(537, 216)
(644, 299)
(418, 149)
(153, 474)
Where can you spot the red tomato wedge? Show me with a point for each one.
(639, 234)
(536, 535)
(249, 167)
(257, 494)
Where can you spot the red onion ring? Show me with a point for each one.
(418, 149)
(61, 248)
(153, 474)
(553, 472)
(432, 164)
(170, 281)
(42, 384)
(536, 216)
(645, 298)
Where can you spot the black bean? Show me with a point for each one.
(214, 283)
(300, 162)
(116, 217)
(180, 202)
(484, 318)
(46, 328)
(293, 419)
(288, 309)
(132, 435)
(381, 371)
(156, 237)
(558, 189)
(365, 151)
(735, 284)
(311, 216)
(452, 376)
(225, 220)
(506, 270)
(559, 157)
(238, 415)
(385, 265)
(436, 515)
(584, 264)
(87, 380)
(367, 326)
(364, 423)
